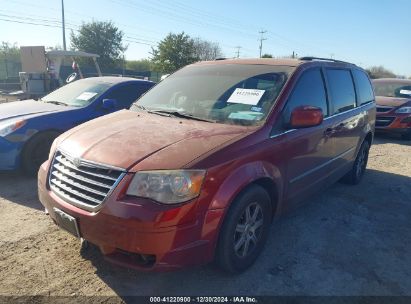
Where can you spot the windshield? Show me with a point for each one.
(232, 94)
(77, 94)
(392, 89)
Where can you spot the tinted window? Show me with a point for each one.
(341, 90)
(364, 88)
(309, 91)
(125, 95)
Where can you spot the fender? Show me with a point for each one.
(230, 187)
(243, 176)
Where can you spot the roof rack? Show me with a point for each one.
(323, 59)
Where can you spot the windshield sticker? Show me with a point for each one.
(246, 96)
(256, 109)
(405, 92)
(246, 115)
(86, 96)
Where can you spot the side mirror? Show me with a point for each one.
(109, 104)
(306, 116)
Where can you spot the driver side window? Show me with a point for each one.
(126, 94)
(309, 91)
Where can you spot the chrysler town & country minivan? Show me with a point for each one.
(200, 166)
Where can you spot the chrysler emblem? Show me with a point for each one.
(77, 162)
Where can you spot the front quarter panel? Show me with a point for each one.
(238, 178)
(228, 182)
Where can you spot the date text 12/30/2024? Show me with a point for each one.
(203, 300)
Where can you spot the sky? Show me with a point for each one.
(364, 32)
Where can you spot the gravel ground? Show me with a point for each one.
(348, 240)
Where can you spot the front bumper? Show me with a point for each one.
(397, 123)
(9, 154)
(123, 229)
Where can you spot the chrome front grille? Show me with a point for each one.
(82, 183)
(384, 109)
(383, 121)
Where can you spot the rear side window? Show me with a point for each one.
(364, 88)
(341, 89)
(309, 91)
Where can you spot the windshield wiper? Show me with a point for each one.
(180, 115)
(59, 103)
(140, 107)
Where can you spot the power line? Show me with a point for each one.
(31, 23)
(182, 12)
(51, 23)
(261, 41)
(176, 16)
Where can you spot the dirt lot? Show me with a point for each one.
(345, 241)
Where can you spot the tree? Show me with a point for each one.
(102, 38)
(206, 50)
(267, 56)
(10, 63)
(380, 72)
(142, 65)
(9, 50)
(173, 52)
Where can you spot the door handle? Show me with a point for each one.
(329, 131)
(340, 126)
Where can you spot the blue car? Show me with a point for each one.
(28, 127)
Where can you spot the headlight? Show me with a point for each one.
(403, 110)
(9, 127)
(167, 186)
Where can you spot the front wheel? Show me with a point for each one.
(357, 171)
(36, 151)
(245, 230)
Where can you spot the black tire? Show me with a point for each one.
(237, 229)
(354, 176)
(36, 151)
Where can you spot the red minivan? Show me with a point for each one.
(200, 166)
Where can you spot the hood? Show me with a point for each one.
(126, 138)
(20, 109)
(391, 101)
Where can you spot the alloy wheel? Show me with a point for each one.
(248, 230)
(362, 162)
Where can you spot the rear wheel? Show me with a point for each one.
(245, 230)
(36, 151)
(357, 171)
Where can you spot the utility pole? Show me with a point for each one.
(261, 41)
(124, 63)
(238, 51)
(63, 24)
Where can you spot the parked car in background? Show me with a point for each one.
(203, 162)
(393, 97)
(28, 127)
